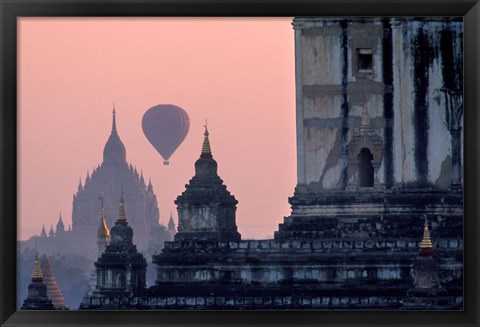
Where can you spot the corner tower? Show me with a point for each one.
(206, 210)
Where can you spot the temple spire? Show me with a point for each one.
(206, 151)
(122, 217)
(114, 150)
(171, 223)
(114, 124)
(37, 275)
(80, 187)
(103, 233)
(43, 233)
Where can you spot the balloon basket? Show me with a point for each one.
(166, 163)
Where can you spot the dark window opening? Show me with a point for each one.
(366, 168)
(365, 59)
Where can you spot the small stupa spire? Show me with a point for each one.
(122, 217)
(43, 233)
(60, 225)
(80, 187)
(206, 150)
(426, 248)
(171, 223)
(37, 275)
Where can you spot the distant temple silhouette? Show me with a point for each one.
(106, 182)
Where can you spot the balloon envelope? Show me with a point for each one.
(165, 126)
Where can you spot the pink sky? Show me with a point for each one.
(238, 73)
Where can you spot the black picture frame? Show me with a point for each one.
(10, 10)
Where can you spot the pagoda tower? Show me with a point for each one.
(426, 292)
(121, 270)
(37, 291)
(206, 210)
(53, 291)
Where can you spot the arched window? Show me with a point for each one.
(365, 173)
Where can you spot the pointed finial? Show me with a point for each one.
(80, 187)
(101, 198)
(114, 124)
(43, 233)
(37, 275)
(206, 151)
(122, 217)
(103, 233)
(149, 186)
(171, 223)
(426, 248)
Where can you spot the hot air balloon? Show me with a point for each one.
(165, 126)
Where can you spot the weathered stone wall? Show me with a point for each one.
(322, 273)
(262, 302)
(412, 60)
(349, 261)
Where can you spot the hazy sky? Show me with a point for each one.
(237, 73)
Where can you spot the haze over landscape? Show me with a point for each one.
(236, 72)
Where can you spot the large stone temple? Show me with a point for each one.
(108, 180)
(377, 212)
(106, 183)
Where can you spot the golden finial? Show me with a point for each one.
(122, 217)
(206, 143)
(103, 233)
(37, 275)
(426, 247)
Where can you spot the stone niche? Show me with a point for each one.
(365, 153)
